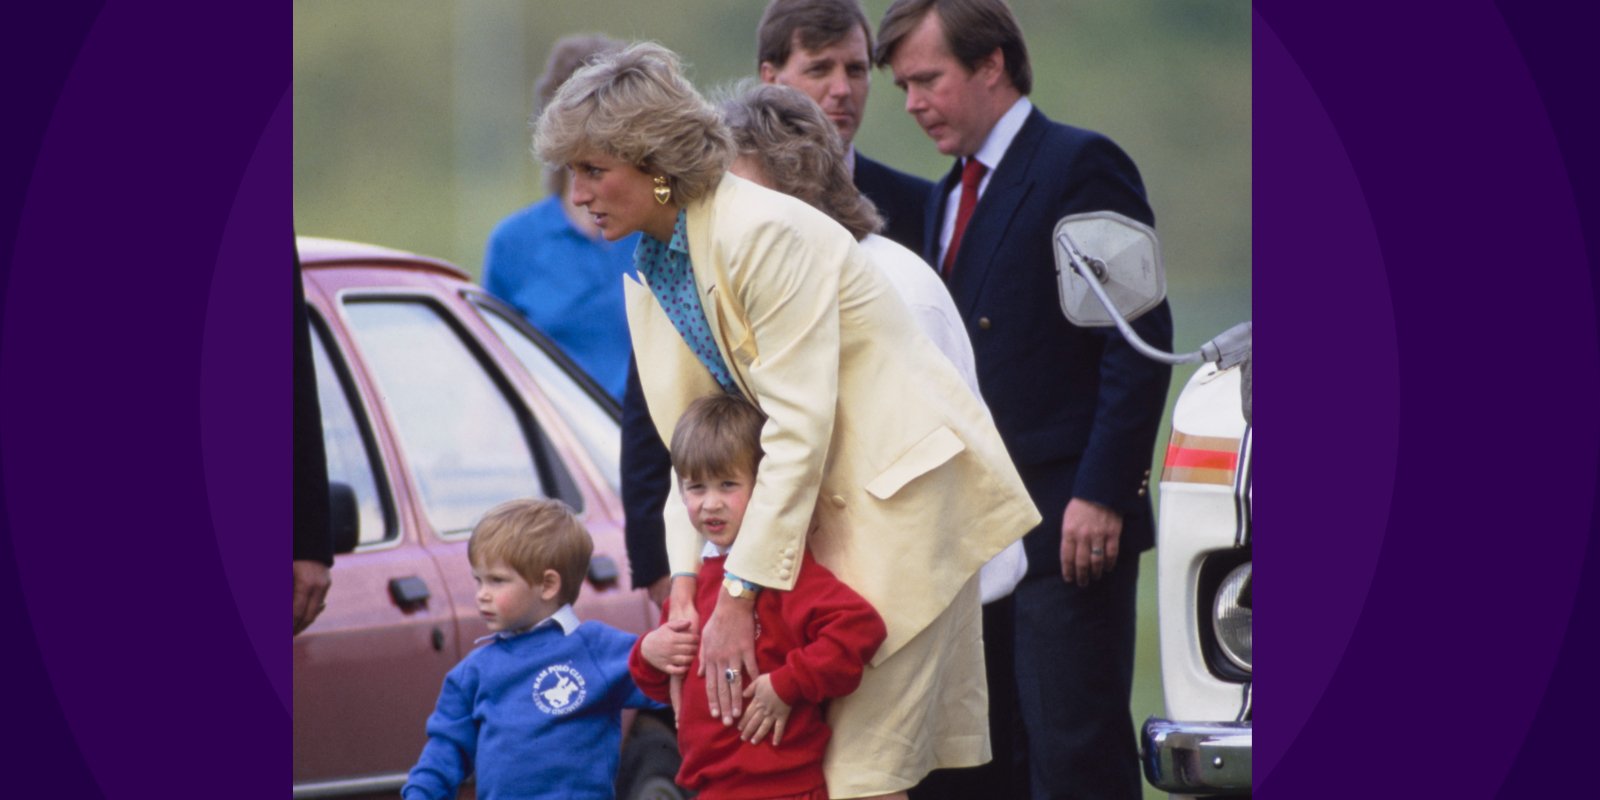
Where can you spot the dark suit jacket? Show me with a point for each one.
(646, 480)
(1078, 408)
(313, 539)
(900, 198)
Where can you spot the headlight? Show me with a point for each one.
(1230, 618)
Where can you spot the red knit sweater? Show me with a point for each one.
(814, 641)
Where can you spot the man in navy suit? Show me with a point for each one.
(1078, 408)
(824, 48)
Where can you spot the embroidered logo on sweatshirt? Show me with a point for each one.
(558, 689)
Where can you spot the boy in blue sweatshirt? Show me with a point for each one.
(537, 710)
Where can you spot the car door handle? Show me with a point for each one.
(408, 592)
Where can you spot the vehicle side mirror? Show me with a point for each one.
(1109, 272)
(1124, 257)
(344, 517)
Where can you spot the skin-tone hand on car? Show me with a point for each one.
(1085, 527)
(311, 582)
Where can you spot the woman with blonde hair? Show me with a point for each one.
(875, 456)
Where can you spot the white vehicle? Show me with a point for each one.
(1109, 270)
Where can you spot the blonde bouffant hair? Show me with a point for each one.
(637, 107)
(531, 536)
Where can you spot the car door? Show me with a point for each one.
(366, 673)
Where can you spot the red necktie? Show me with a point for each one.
(971, 176)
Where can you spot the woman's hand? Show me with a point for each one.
(683, 588)
(767, 712)
(670, 648)
(728, 654)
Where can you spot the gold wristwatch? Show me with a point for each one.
(739, 588)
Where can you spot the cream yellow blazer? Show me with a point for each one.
(873, 444)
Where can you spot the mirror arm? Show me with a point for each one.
(1122, 325)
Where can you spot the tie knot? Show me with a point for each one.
(971, 174)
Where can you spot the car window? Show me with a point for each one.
(467, 442)
(594, 425)
(347, 444)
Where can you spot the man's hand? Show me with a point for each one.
(728, 641)
(311, 582)
(767, 712)
(670, 648)
(1090, 533)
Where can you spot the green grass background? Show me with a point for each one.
(411, 130)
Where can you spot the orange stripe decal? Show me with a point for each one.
(1201, 459)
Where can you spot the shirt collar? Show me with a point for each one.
(651, 255)
(564, 618)
(1004, 132)
(711, 550)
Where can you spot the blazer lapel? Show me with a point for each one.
(992, 217)
(669, 372)
(729, 329)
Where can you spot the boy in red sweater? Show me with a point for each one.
(812, 642)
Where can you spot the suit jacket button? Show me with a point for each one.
(1141, 491)
(838, 501)
(983, 323)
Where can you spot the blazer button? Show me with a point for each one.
(1141, 491)
(983, 323)
(838, 501)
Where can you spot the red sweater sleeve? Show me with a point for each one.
(653, 682)
(841, 630)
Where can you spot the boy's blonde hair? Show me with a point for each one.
(531, 536)
(717, 435)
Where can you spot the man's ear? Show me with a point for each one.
(550, 585)
(769, 73)
(991, 67)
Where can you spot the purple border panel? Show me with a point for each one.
(152, 230)
(1472, 620)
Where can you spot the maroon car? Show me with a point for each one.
(438, 402)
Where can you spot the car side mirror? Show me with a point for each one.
(1109, 272)
(1120, 255)
(344, 517)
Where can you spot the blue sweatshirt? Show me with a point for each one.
(537, 713)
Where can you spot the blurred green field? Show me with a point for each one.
(411, 130)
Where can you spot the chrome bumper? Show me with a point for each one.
(1197, 757)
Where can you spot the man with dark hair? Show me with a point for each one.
(1078, 408)
(824, 48)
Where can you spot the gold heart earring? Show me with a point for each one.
(663, 192)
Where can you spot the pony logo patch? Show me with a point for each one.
(558, 689)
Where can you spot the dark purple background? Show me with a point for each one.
(1427, 227)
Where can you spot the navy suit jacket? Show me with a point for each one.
(1078, 408)
(900, 198)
